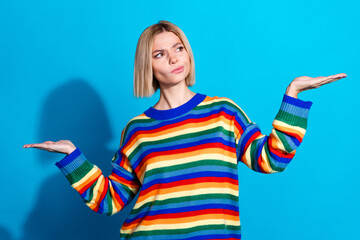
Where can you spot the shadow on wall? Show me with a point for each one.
(5, 234)
(73, 111)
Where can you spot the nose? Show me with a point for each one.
(172, 59)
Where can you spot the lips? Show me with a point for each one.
(178, 70)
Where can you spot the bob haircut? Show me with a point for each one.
(145, 84)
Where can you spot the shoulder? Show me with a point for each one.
(134, 124)
(224, 102)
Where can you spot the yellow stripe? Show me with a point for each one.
(86, 177)
(278, 143)
(297, 130)
(94, 201)
(178, 194)
(177, 133)
(179, 161)
(265, 160)
(182, 225)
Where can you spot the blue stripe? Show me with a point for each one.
(186, 204)
(207, 167)
(250, 130)
(297, 102)
(196, 235)
(121, 192)
(279, 160)
(196, 115)
(183, 210)
(189, 176)
(120, 171)
(294, 110)
(183, 146)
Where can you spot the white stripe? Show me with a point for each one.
(183, 225)
(86, 177)
(180, 132)
(195, 192)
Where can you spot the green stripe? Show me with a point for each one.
(284, 141)
(91, 190)
(80, 172)
(273, 167)
(180, 137)
(186, 199)
(133, 122)
(181, 231)
(291, 119)
(214, 162)
(109, 202)
(221, 103)
(253, 153)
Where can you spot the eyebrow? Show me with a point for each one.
(160, 50)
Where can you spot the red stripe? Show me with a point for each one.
(181, 123)
(186, 150)
(188, 182)
(82, 190)
(118, 199)
(184, 214)
(292, 134)
(277, 152)
(251, 139)
(105, 190)
(123, 180)
(237, 125)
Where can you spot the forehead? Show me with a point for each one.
(165, 40)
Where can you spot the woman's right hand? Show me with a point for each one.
(62, 146)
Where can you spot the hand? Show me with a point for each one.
(62, 146)
(300, 84)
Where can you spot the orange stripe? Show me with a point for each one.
(115, 198)
(183, 220)
(164, 157)
(123, 181)
(84, 186)
(197, 123)
(193, 186)
(291, 131)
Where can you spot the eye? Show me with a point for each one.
(159, 55)
(179, 49)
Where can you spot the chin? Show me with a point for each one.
(172, 82)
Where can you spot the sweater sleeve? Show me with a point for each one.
(269, 154)
(106, 195)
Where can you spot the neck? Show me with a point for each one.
(174, 96)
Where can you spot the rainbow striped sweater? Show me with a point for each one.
(183, 163)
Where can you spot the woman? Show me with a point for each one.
(182, 153)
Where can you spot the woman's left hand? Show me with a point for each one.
(300, 84)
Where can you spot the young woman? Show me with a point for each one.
(182, 153)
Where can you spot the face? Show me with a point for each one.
(170, 60)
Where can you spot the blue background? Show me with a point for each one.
(66, 73)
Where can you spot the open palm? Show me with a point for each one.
(62, 146)
(305, 83)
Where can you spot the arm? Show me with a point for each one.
(106, 195)
(269, 154)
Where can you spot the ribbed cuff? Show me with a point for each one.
(71, 162)
(294, 111)
(297, 102)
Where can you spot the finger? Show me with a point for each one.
(329, 79)
(34, 145)
(338, 76)
(27, 145)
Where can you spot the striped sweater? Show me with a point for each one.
(184, 163)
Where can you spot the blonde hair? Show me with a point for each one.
(145, 84)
